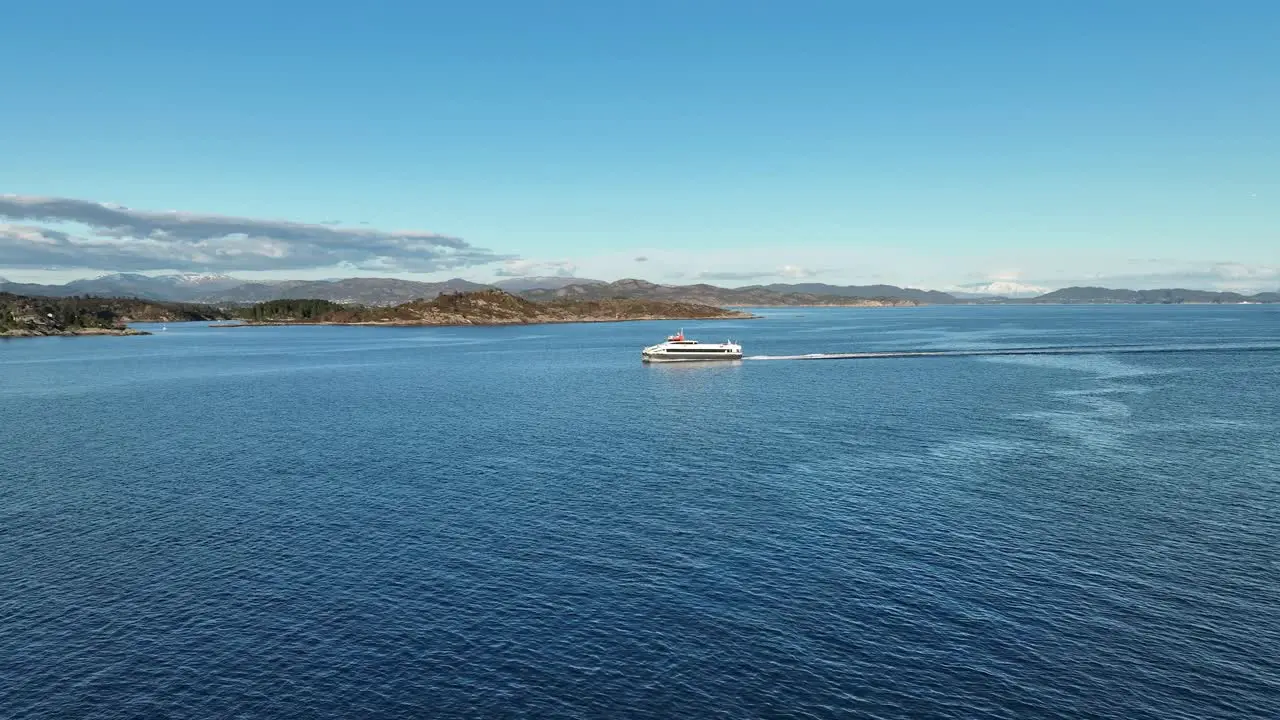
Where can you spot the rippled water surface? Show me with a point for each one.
(528, 522)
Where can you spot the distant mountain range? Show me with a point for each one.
(755, 296)
(931, 297)
(186, 286)
(1101, 296)
(359, 291)
(223, 289)
(226, 290)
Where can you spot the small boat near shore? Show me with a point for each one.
(678, 348)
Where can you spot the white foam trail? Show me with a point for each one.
(1020, 351)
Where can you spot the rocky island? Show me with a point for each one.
(482, 307)
(25, 316)
(29, 316)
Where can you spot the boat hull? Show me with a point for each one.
(690, 357)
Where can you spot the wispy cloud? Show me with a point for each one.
(642, 258)
(1131, 274)
(1158, 273)
(524, 268)
(786, 271)
(796, 272)
(736, 275)
(97, 235)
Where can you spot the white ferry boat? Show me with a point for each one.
(678, 348)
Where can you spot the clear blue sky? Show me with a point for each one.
(927, 143)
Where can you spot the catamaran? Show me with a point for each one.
(678, 348)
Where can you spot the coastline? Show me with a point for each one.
(482, 323)
(838, 305)
(79, 332)
(1004, 304)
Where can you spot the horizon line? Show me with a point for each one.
(1036, 289)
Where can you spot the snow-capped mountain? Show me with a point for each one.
(202, 279)
(543, 282)
(181, 286)
(999, 288)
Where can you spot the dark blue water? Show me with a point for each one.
(528, 522)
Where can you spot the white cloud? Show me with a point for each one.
(108, 236)
(736, 274)
(792, 272)
(1007, 288)
(525, 268)
(796, 272)
(1224, 276)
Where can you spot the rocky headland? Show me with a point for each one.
(26, 316)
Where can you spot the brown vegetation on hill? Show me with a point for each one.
(484, 307)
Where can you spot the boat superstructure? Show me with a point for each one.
(679, 348)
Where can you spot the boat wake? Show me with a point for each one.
(1085, 350)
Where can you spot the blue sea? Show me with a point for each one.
(355, 522)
